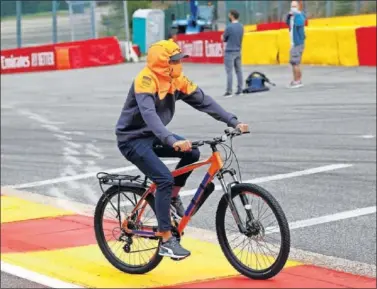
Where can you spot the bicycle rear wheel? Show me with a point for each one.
(253, 257)
(130, 254)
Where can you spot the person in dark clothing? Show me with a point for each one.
(149, 107)
(233, 36)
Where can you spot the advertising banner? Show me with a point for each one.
(67, 55)
(205, 47)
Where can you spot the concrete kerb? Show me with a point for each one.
(128, 52)
(305, 257)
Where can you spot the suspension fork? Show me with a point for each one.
(227, 188)
(247, 206)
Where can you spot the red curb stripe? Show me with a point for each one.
(47, 234)
(335, 277)
(294, 277)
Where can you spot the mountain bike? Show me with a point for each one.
(131, 227)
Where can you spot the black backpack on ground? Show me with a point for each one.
(255, 82)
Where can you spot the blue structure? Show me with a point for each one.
(199, 20)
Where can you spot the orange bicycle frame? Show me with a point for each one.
(216, 163)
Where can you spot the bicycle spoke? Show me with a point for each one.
(141, 249)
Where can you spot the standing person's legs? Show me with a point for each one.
(295, 60)
(228, 61)
(299, 71)
(238, 68)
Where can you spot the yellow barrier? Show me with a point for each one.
(284, 43)
(260, 48)
(331, 46)
(355, 20)
(347, 46)
(323, 46)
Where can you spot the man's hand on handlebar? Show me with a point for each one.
(243, 127)
(182, 146)
(186, 145)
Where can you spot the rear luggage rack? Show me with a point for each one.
(105, 177)
(121, 180)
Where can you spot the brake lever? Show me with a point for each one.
(197, 143)
(237, 131)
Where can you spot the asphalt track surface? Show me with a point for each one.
(60, 124)
(10, 281)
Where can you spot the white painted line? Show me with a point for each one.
(282, 176)
(35, 277)
(368, 136)
(77, 177)
(326, 219)
(187, 192)
(332, 218)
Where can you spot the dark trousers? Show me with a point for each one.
(233, 59)
(142, 154)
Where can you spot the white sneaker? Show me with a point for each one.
(295, 84)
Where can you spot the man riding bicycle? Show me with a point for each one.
(149, 107)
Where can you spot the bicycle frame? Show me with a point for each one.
(216, 163)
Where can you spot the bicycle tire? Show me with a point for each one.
(101, 240)
(282, 222)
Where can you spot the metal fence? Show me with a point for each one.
(28, 23)
(255, 12)
(24, 23)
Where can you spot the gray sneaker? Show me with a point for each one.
(171, 248)
(178, 205)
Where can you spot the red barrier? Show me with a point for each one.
(28, 59)
(366, 45)
(205, 47)
(274, 26)
(93, 52)
(70, 55)
(271, 26)
(137, 50)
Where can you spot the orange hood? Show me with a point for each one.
(158, 57)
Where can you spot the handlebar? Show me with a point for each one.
(218, 140)
(215, 141)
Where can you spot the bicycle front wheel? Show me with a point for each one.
(261, 251)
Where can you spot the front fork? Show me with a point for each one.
(227, 188)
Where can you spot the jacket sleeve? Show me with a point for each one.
(226, 34)
(195, 97)
(145, 97)
(287, 20)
